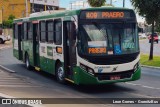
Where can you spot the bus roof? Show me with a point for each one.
(55, 13)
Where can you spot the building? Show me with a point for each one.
(22, 8)
(43, 5)
(14, 7)
(78, 4)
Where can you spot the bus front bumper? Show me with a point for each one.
(82, 77)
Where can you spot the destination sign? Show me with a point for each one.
(105, 14)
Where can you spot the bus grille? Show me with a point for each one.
(113, 59)
(107, 76)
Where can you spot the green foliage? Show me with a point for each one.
(150, 9)
(157, 27)
(8, 23)
(96, 3)
(11, 17)
(144, 61)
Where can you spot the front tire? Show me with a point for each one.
(27, 63)
(60, 73)
(157, 41)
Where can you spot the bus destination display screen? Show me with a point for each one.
(105, 14)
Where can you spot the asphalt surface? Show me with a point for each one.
(33, 84)
(145, 47)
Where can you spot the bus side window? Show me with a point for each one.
(16, 31)
(30, 30)
(43, 31)
(25, 31)
(13, 30)
(22, 33)
(50, 31)
(58, 31)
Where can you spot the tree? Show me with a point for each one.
(96, 3)
(150, 9)
(8, 23)
(11, 17)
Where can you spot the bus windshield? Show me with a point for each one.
(108, 38)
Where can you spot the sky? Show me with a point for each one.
(116, 3)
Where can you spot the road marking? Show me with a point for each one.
(7, 96)
(149, 87)
(6, 69)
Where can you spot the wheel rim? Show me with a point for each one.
(60, 73)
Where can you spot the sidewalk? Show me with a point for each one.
(7, 44)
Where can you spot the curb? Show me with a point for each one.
(6, 69)
(7, 47)
(150, 67)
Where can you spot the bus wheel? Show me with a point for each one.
(60, 74)
(27, 62)
(1, 41)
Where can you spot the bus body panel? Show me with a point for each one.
(81, 75)
(28, 50)
(83, 78)
(47, 63)
(109, 68)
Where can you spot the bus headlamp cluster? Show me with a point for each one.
(136, 66)
(87, 69)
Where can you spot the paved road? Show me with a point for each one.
(32, 84)
(145, 47)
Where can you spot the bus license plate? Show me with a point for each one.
(117, 77)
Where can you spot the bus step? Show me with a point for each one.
(69, 80)
(37, 68)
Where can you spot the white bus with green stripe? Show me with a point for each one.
(86, 46)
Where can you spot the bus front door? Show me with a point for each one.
(69, 48)
(35, 45)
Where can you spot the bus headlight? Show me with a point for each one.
(83, 67)
(136, 66)
(87, 69)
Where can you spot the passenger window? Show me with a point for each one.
(25, 31)
(15, 31)
(22, 32)
(58, 32)
(50, 33)
(43, 31)
(30, 31)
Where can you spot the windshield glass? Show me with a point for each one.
(108, 39)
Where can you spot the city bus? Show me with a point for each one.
(85, 46)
